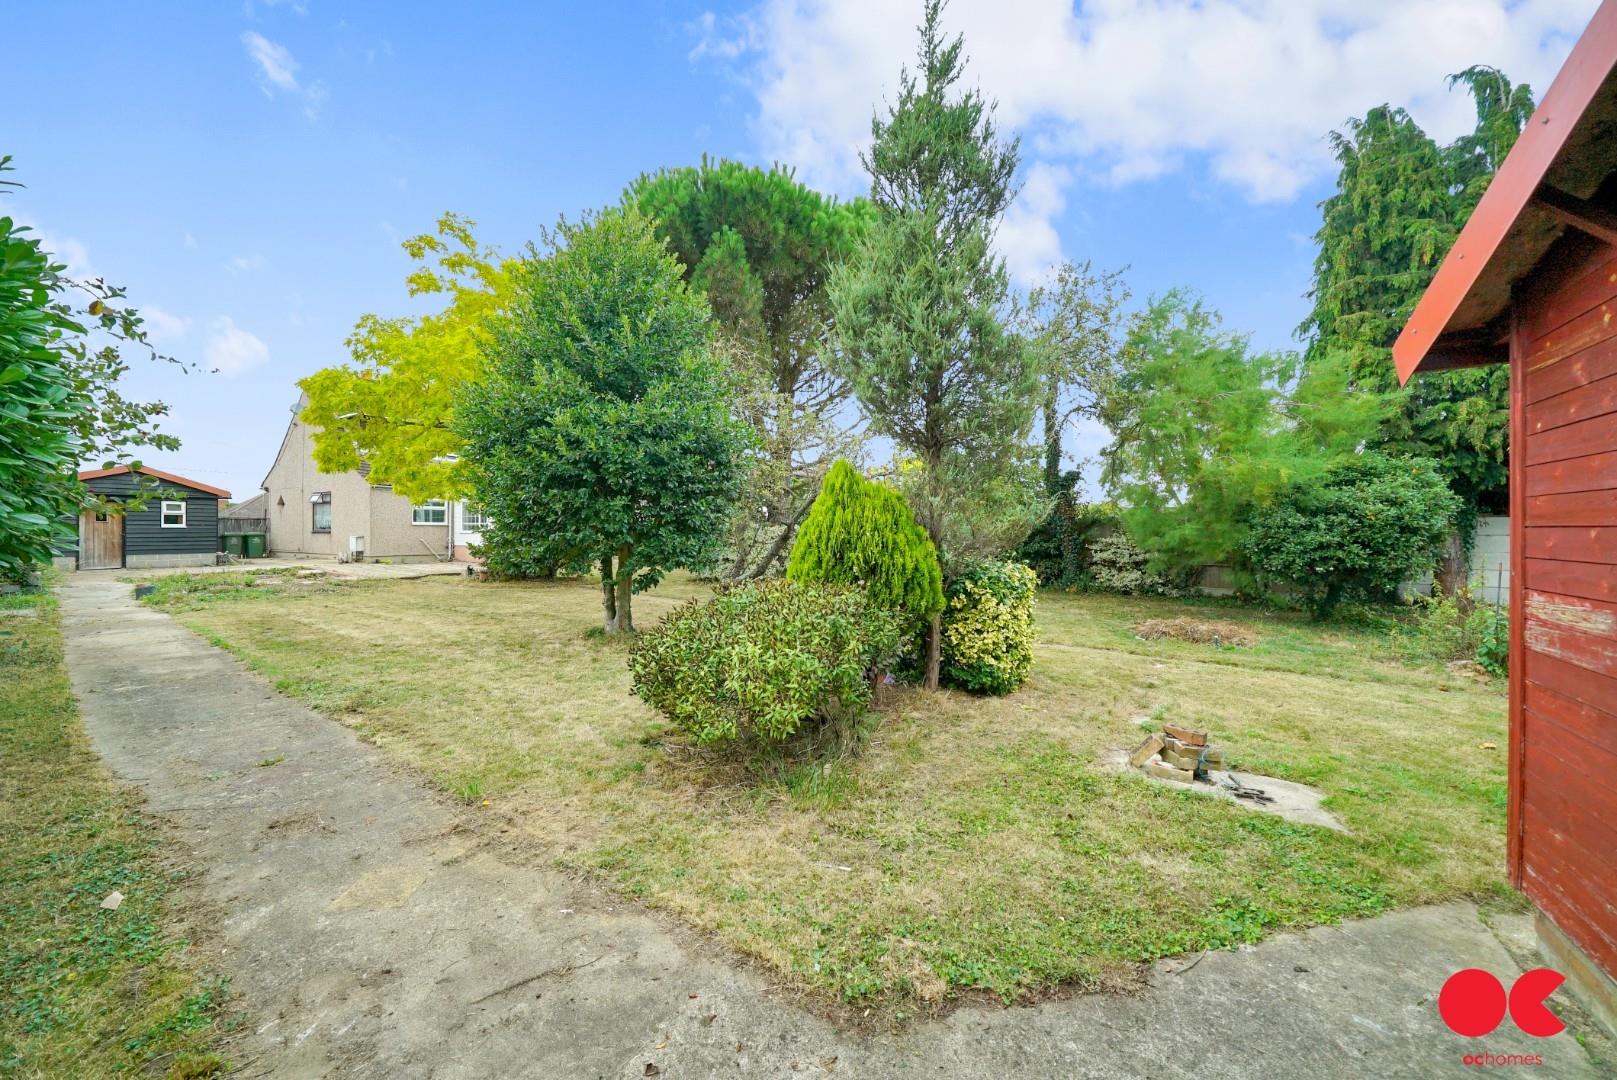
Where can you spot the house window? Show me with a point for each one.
(173, 514)
(432, 512)
(321, 501)
(474, 520)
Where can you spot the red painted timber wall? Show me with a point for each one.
(1563, 797)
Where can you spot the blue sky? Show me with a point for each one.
(248, 170)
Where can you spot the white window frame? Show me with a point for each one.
(439, 505)
(474, 520)
(165, 511)
(319, 499)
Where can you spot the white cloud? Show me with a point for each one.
(1122, 90)
(242, 264)
(190, 241)
(162, 326)
(230, 349)
(725, 41)
(278, 72)
(276, 67)
(1027, 237)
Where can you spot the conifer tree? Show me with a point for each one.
(863, 533)
(921, 305)
(1400, 202)
(760, 244)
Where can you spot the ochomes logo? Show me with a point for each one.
(1473, 1002)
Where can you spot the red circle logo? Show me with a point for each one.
(1527, 1002)
(1472, 1002)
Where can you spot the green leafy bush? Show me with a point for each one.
(1367, 525)
(862, 533)
(759, 661)
(988, 628)
(39, 402)
(1453, 628)
(1444, 628)
(1493, 640)
(1116, 564)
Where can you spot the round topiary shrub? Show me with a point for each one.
(988, 628)
(759, 661)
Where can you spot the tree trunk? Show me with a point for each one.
(609, 599)
(933, 524)
(1052, 445)
(1452, 572)
(625, 586)
(934, 651)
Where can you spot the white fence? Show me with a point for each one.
(1490, 561)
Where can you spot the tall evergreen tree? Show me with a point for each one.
(1503, 109)
(920, 306)
(1400, 202)
(761, 245)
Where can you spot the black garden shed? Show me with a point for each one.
(177, 523)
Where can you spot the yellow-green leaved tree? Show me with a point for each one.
(392, 404)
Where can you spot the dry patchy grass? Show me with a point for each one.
(974, 844)
(84, 991)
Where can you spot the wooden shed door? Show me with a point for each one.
(101, 541)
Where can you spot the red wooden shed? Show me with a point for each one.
(1532, 281)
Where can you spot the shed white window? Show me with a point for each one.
(474, 520)
(432, 512)
(173, 514)
(321, 522)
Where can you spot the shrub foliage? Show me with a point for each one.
(1369, 524)
(1450, 628)
(988, 628)
(757, 662)
(1116, 564)
(862, 533)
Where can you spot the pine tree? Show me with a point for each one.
(760, 245)
(863, 533)
(920, 306)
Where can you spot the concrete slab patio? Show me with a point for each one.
(371, 929)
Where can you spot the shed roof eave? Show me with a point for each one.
(1508, 232)
(146, 470)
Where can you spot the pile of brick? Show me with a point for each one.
(1178, 753)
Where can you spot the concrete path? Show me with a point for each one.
(372, 930)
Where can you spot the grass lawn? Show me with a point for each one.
(974, 845)
(83, 991)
